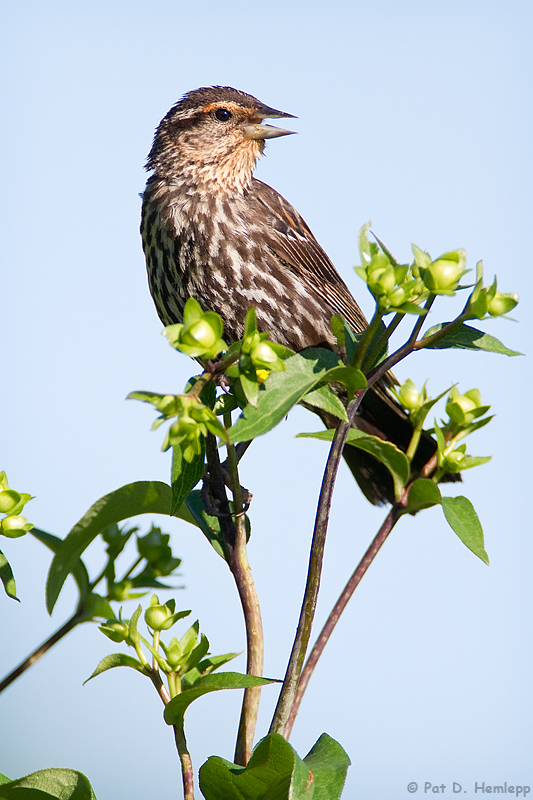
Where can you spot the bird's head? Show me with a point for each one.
(214, 134)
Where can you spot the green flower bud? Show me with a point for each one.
(115, 629)
(381, 281)
(409, 395)
(263, 356)
(396, 297)
(9, 499)
(120, 591)
(442, 274)
(174, 653)
(156, 616)
(502, 304)
(200, 333)
(15, 526)
(455, 457)
(460, 406)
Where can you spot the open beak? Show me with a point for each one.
(255, 130)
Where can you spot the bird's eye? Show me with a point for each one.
(222, 114)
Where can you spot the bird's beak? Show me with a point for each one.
(264, 131)
(255, 130)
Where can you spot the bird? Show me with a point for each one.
(212, 231)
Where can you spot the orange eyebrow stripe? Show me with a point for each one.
(231, 106)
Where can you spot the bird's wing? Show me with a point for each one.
(291, 239)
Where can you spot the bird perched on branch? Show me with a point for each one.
(212, 231)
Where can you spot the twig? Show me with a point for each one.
(307, 613)
(318, 648)
(76, 619)
(234, 535)
(186, 762)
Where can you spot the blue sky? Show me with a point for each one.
(415, 115)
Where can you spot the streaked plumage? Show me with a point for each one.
(212, 231)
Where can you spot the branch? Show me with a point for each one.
(234, 534)
(318, 648)
(303, 633)
(76, 619)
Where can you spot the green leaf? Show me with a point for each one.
(209, 525)
(185, 475)
(326, 399)
(283, 390)
(464, 337)
(389, 455)
(225, 404)
(115, 660)
(250, 388)
(345, 335)
(206, 667)
(133, 633)
(328, 763)
(175, 710)
(472, 461)
(141, 497)
(7, 578)
(350, 377)
(439, 435)
(94, 606)
(79, 571)
(424, 493)
(462, 518)
(62, 784)
(276, 772)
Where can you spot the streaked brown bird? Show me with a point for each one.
(212, 231)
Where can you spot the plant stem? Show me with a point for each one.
(303, 633)
(318, 648)
(39, 652)
(186, 763)
(234, 534)
(242, 573)
(131, 569)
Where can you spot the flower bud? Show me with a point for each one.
(263, 356)
(502, 304)
(396, 297)
(454, 458)
(15, 526)
(156, 616)
(9, 499)
(460, 406)
(442, 274)
(115, 629)
(200, 333)
(409, 395)
(382, 280)
(120, 591)
(174, 653)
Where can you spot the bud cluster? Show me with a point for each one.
(13, 525)
(395, 287)
(193, 421)
(465, 415)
